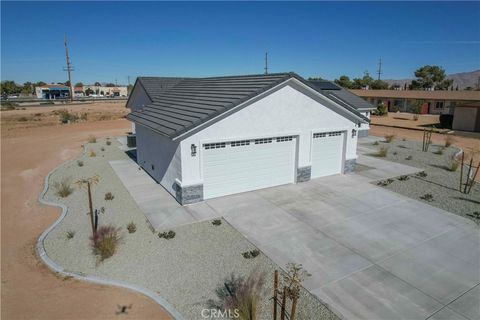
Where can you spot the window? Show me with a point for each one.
(319, 135)
(214, 145)
(281, 139)
(240, 143)
(262, 141)
(327, 134)
(439, 105)
(335, 133)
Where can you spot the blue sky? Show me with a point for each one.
(113, 40)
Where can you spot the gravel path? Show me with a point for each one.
(440, 182)
(185, 270)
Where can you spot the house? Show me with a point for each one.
(52, 91)
(467, 117)
(434, 102)
(118, 91)
(202, 138)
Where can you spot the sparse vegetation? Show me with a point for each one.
(389, 137)
(63, 188)
(105, 241)
(84, 116)
(384, 183)
(251, 254)
(167, 235)
(92, 154)
(80, 163)
(131, 227)
(70, 234)
(427, 197)
(66, 116)
(109, 196)
(22, 119)
(375, 143)
(421, 174)
(102, 149)
(381, 109)
(92, 139)
(394, 153)
(108, 142)
(217, 222)
(403, 178)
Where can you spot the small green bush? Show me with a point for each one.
(403, 178)
(131, 227)
(102, 149)
(381, 109)
(427, 197)
(421, 174)
(385, 183)
(167, 235)
(80, 163)
(70, 234)
(109, 196)
(251, 254)
(217, 222)
(109, 142)
(63, 188)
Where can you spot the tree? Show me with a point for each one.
(431, 77)
(365, 82)
(110, 85)
(78, 84)
(379, 85)
(344, 82)
(40, 84)
(382, 109)
(27, 88)
(416, 108)
(9, 87)
(315, 79)
(98, 84)
(89, 92)
(67, 83)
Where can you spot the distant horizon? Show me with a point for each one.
(109, 41)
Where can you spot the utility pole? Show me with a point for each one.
(266, 62)
(69, 69)
(379, 72)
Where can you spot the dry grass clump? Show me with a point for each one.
(92, 154)
(105, 241)
(80, 163)
(131, 227)
(92, 139)
(382, 152)
(389, 137)
(109, 196)
(63, 188)
(449, 140)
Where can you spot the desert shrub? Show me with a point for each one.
(409, 158)
(251, 254)
(421, 174)
(382, 152)
(109, 196)
(427, 197)
(63, 188)
(70, 234)
(131, 227)
(105, 241)
(37, 114)
(92, 139)
(376, 143)
(22, 119)
(8, 105)
(92, 154)
(167, 235)
(242, 295)
(217, 222)
(446, 121)
(403, 178)
(84, 116)
(109, 142)
(381, 109)
(66, 116)
(394, 153)
(102, 149)
(254, 253)
(449, 140)
(454, 166)
(389, 137)
(80, 163)
(385, 183)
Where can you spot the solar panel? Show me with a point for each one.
(325, 85)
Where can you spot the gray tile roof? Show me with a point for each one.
(180, 104)
(341, 95)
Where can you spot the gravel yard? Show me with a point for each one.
(439, 182)
(185, 270)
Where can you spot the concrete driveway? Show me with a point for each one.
(372, 253)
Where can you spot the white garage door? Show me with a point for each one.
(327, 157)
(239, 166)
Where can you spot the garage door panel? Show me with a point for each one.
(327, 153)
(235, 169)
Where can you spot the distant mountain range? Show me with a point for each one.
(463, 79)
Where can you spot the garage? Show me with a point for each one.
(327, 153)
(244, 165)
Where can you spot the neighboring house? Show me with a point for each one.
(435, 102)
(52, 91)
(118, 91)
(467, 117)
(202, 138)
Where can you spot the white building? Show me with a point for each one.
(202, 138)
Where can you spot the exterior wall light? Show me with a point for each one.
(354, 133)
(193, 147)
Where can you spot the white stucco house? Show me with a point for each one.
(202, 138)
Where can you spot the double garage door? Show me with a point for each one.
(245, 165)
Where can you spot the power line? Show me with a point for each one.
(379, 71)
(69, 68)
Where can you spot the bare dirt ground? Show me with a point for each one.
(46, 115)
(405, 120)
(29, 289)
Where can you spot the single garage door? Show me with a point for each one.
(239, 166)
(327, 153)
